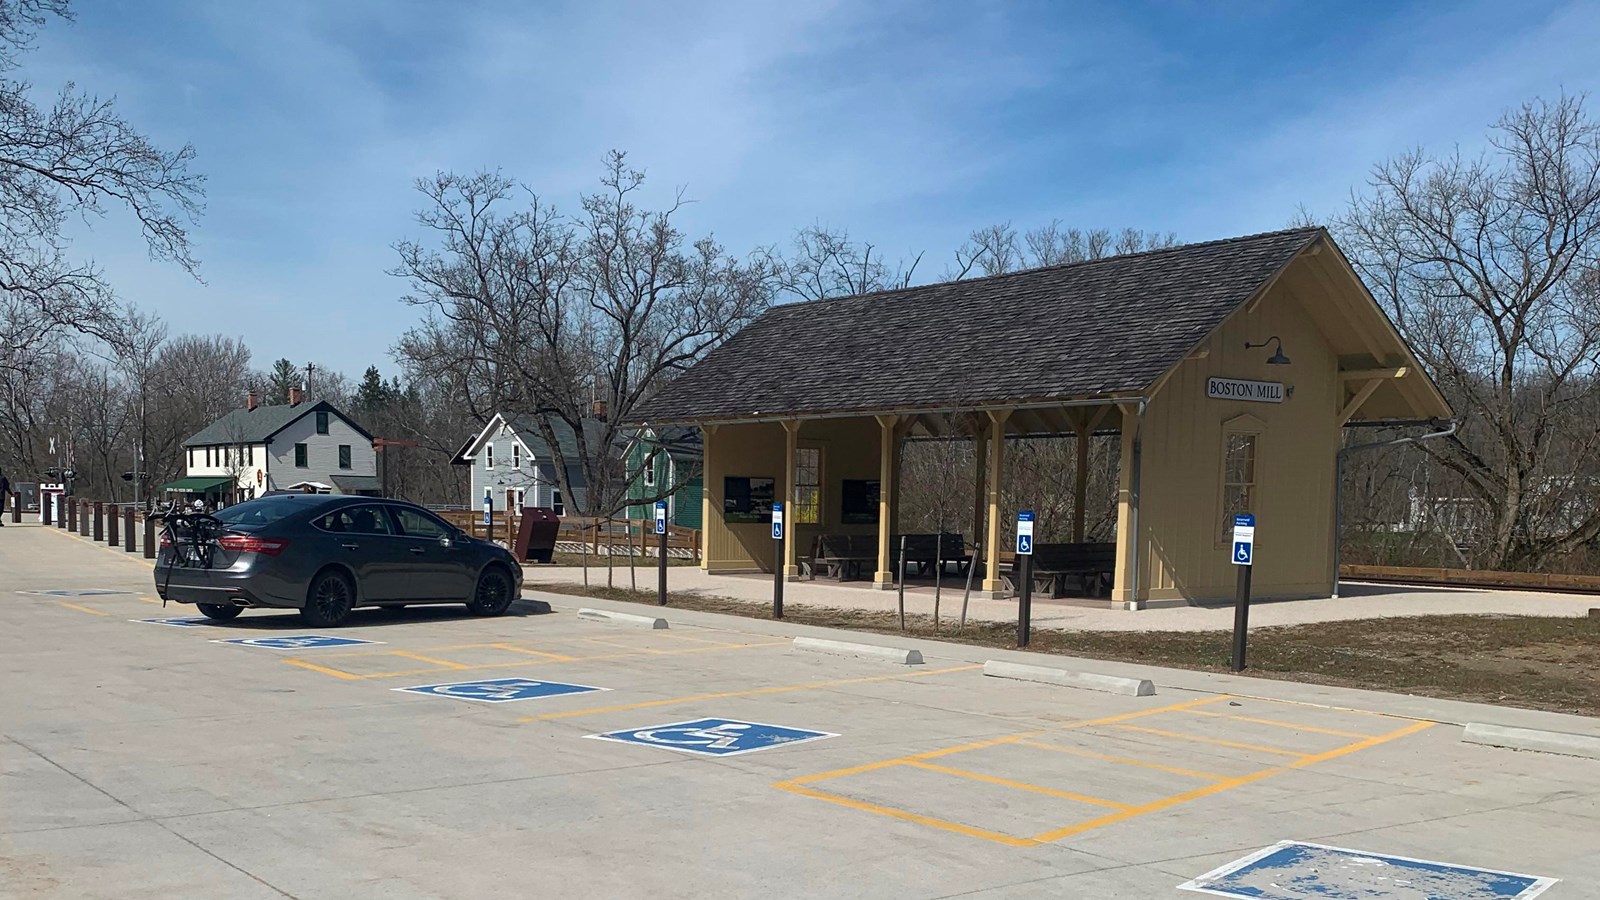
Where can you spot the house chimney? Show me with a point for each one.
(295, 396)
(250, 400)
(598, 409)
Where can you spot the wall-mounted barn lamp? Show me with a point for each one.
(1277, 358)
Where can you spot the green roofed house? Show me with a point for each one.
(665, 464)
(296, 446)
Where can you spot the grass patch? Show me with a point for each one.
(1535, 662)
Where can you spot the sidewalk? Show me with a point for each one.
(1360, 601)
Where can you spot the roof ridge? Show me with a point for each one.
(1069, 265)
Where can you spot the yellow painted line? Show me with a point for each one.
(513, 648)
(1255, 748)
(92, 612)
(813, 685)
(1208, 790)
(1019, 785)
(629, 647)
(1277, 724)
(956, 827)
(990, 742)
(427, 659)
(323, 669)
(1123, 760)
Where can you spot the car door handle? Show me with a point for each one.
(417, 550)
(351, 546)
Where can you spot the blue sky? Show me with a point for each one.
(909, 123)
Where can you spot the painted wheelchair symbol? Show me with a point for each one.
(714, 737)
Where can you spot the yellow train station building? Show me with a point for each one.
(1227, 371)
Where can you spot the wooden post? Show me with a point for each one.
(16, 508)
(884, 578)
(127, 530)
(112, 538)
(993, 584)
(99, 521)
(149, 537)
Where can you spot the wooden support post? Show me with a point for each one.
(127, 530)
(1127, 590)
(791, 444)
(112, 537)
(884, 577)
(99, 521)
(993, 584)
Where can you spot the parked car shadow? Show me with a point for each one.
(289, 620)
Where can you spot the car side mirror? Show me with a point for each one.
(446, 541)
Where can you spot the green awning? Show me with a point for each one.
(199, 484)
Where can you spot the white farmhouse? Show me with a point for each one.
(297, 446)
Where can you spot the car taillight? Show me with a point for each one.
(166, 541)
(241, 543)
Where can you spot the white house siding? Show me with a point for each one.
(322, 452)
(536, 477)
(250, 475)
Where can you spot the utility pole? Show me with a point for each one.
(308, 382)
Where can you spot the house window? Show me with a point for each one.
(300, 461)
(555, 502)
(807, 485)
(209, 463)
(522, 495)
(1238, 480)
(344, 456)
(191, 457)
(649, 469)
(250, 454)
(322, 422)
(488, 456)
(516, 455)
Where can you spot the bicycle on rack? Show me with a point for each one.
(192, 538)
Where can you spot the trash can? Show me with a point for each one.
(536, 535)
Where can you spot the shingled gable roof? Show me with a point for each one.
(1105, 327)
(257, 426)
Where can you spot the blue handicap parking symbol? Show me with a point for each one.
(501, 690)
(297, 642)
(180, 623)
(714, 737)
(1024, 544)
(1241, 552)
(1292, 870)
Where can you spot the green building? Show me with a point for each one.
(665, 464)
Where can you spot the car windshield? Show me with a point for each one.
(255, 513)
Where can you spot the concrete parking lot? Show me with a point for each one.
(540, 755)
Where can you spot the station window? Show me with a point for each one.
(807, 486)
(1238, 479)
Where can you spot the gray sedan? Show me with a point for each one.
(325, 555)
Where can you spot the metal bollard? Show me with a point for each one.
(127, 530)
(112, 538)
(44, 510)
(99, 521)
(149, 537)
(83, 518)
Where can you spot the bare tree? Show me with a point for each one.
(827, 262)
(73, 158)
(559, 318)
(1489, 267)
(997, 249)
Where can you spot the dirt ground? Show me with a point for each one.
(1534, 662)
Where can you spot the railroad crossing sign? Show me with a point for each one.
(777, 521)
(500, 690)
(1025, 532)
(661, 517)
(1244, 539)
(714, 737)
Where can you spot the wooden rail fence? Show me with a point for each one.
(601, 536)
(1532, 581)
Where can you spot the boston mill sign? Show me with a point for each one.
(1234, 389)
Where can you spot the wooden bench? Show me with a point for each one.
(841, 556)
(1092, 565)
(927, 550)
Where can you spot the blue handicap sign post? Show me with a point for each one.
(297, 642)
(778, 573)
(714, 737)
(661, 564)
(1243, 556)
(1290, 870)
(488, 511)
(1024, 576)
(500, 690)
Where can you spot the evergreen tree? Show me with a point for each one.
(285, 375)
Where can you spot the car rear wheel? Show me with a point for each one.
(219, 612)
(329, 600)
(492, 596)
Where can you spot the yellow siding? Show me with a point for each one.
(1180, 553)
(849, 451)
